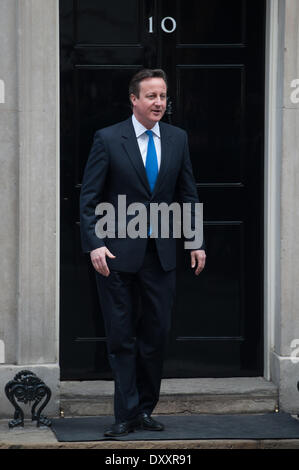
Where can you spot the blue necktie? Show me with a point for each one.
(151, 162)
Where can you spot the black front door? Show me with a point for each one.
(213, 54)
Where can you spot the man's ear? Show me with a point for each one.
(133, 99)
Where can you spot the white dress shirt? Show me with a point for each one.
(142, 139)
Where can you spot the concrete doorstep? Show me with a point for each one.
(178, 396)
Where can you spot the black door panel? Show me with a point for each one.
(213, 53)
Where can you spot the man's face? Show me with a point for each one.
(150, 106)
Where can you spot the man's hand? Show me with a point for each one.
(199, 257)
(98, 259)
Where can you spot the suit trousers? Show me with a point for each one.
(136, 341)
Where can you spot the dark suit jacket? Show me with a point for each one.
(115, 167)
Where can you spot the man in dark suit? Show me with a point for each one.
(148, 162)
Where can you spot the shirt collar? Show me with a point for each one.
(140, 129)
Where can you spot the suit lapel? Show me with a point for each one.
(166, 151)
(130, 144)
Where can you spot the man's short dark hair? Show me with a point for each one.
(134, 86)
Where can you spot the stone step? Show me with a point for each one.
(178, 396)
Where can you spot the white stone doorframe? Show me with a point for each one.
(38, 107)
(37, 321)
(281, 301)
(271, 184)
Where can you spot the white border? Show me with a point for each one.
(271, 181)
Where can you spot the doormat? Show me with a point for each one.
(205, 426)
